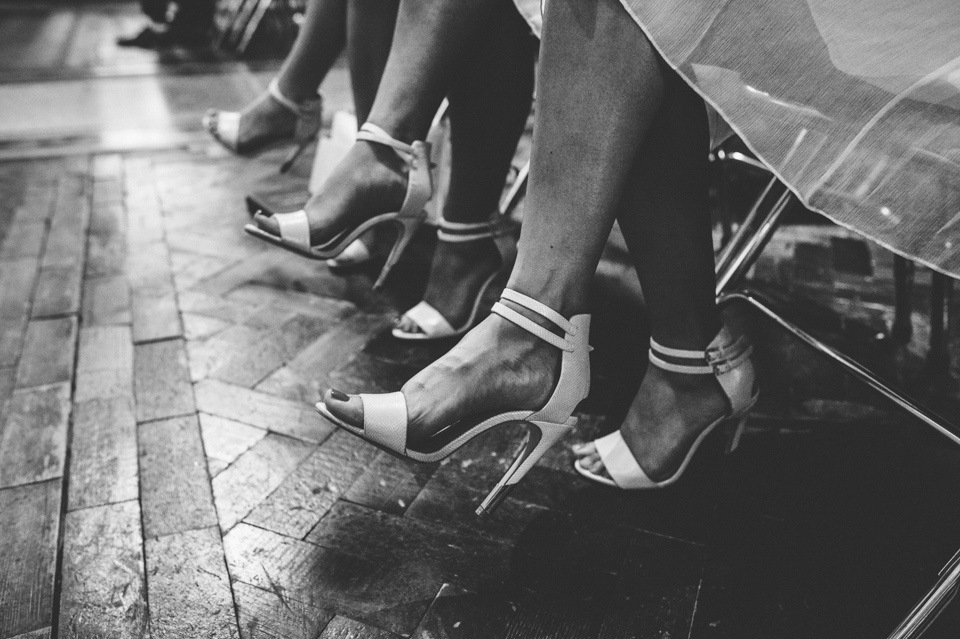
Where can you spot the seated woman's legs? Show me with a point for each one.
(433, 42)
(665, 219)
(365, 27)
(489, 105)
(596, 100)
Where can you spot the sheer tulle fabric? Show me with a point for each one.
(855, 104)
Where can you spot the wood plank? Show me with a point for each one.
(17, 279)
(175, 487)
(225, 439)
(23, 241)
(153, 296)
(309, 492)
(29, 524)
(239, 489)
(103, 592)
(388, 595)
(189, 586)
(162, 380)
(107, 242)
(244, 355)
(267, 614)
(33, 442)
(344, 628)
(457, 613)
(106, 300)
(154, 312)
(43, 633)
(104, 364)
(105, 348)
(48, 352)
(103, 462)
(71, 219)
(306, 376)
(262, 410)
(458, 554)
(58, 291)
(390, 484)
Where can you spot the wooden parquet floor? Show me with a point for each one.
(163, 473)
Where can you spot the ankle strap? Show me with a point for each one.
(532, 327)
(716, 359)
(466, 231)
(274, 89)
(372, 133)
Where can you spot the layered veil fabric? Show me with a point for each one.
(855, 104)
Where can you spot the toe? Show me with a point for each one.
(348, 408)
(267, 223)
(407, 325)
(594, 465)
(584, 449)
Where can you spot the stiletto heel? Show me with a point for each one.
(224, 126)
(407, 228)
(385, 416)
(735, 430)
(295, 227)
(540, 437)
(432, 324)
(728, 359)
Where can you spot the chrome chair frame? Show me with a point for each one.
(738, 256)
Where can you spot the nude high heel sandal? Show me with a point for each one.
(385, 415)
(433, 325)
(295, 227)
(224, 126)
(726, 358)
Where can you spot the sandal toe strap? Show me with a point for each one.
(620, 463)
(294, 228)
(430, 321)
(385, 420)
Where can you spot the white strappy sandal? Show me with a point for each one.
(385, 415)
(729, 360)
(295, 227)
(433, 325)
(224, 126)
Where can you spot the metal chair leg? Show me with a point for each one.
(903, 276)
(938, 358)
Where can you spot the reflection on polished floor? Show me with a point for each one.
(162, 471)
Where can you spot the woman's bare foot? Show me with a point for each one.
(496, 367)
(668, 413)
(369, 181)
(458, 271)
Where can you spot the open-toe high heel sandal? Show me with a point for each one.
(224, 127)
(385, 415)
(729, 360)
(433, 325)
(295, 227)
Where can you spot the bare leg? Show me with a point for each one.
(594, 109)
(432, 42)
(489, 104)
(666, 206)
(318, 45)
(370, 27)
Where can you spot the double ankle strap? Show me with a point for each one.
(573, 385)
(544, 311)
(494, 228)
(727, 358)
